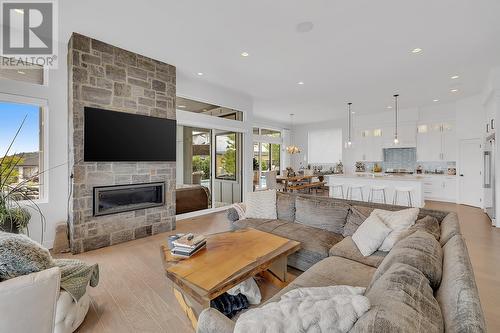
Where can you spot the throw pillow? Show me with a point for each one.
(428, 224)
(398, 221)
(320, 213)
(261, 205)
(401, 301)
(370, 235)
(19, 255)
(420, 250)
(356, 216)
(285, 206)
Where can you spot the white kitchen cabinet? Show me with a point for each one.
(436, 142)
(449, 142)
(440, 188)
(367, 145)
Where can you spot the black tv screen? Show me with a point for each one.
(111, 136)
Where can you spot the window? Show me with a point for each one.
(325, 146)
(190, 105)
(21, 164)
(271, 133)
(225, 159)
(23, 72)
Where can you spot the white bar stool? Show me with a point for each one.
(403, 190)
(354, 187)
(374, 189)
(337, 186)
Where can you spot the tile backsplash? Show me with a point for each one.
(406, 158)
(400, 158)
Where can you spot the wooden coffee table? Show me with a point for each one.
(229, 258)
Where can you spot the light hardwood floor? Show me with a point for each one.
(134, 296)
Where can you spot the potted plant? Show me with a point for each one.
(15, 201)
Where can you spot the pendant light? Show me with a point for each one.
(349, 115)
(292, 149)
(396, 139)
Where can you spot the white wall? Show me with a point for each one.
(54, 206)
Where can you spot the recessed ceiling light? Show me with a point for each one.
(19, 11)
(454, 77)
(435, 100)
(389, 107)
(454, 90)
(304, 26)
(181, 106)
(199, 74)
(204, 110)
(245, 54)
(300, 82)
(416, 50)
(353, 112)
(21, 72)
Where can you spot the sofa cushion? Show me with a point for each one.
(347, 249)
(356, 216)
(285, 206)
(261, 204)
(314, 243)
(324, 214)
(398, 221)
(401, 301)
(266, 225)
(450, 227)
(419, 250)
(370, 235)
(331, 271)
(457, 294)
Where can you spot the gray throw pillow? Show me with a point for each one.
(324, 214)
(428, 224)
(19, 255)
(419, 250)
(401, 301)
(285, 206)
(356, 216)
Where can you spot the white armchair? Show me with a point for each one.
(35, 303)
(28, 303)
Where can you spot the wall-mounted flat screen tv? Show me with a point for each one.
(111, 136)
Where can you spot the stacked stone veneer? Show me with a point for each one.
(107, 77)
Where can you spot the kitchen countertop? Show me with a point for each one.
(385, 176)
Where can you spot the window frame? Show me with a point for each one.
(235, 176)
(44, 105)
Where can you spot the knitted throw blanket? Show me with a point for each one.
(19, 255)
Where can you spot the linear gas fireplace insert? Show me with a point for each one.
(123, 198)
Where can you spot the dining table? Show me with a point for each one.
(291, 180)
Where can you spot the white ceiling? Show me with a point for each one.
(358, 51)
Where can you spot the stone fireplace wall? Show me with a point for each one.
(110, 78)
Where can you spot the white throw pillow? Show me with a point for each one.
(398, 221)
(261, 205)
(370, 235)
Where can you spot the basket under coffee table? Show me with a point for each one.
(228, 259)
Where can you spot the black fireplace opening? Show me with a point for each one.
(124, 198)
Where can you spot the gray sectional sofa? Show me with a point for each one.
(424, 284)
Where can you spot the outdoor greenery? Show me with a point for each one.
(226, 162)
(202, 163)
(7, 169)
(14, 202)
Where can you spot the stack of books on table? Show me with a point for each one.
(188, 245)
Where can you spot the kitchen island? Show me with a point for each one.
(369, 180)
